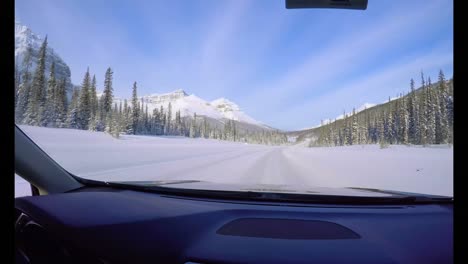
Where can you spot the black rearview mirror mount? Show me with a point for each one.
(337, 4)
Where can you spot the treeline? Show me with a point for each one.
(421, 117)
(43, 102)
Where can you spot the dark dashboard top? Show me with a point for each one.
(126, 226)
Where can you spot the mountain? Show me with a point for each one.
(25, 37)
(216, 111)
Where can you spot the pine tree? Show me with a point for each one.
(363, 130)
(178, 123)
(156, 121)
(354, 129)
(127, 119)
(84, 103)
(109, 123)
(146, 119)
(135, 112)
(193, 126)
(431, 113)
(108, 92)
(443, 117)
(24, 88)
(423, 132)
(93, 97)
(234, 131)
(413, 136)
(17, 82)
(162, 120)
(37, 98)
(50, 113)
(381, 126)
(72, 115)
(141, 118)
(169, 119)
(60, 104)
(115, 122)
(403, 135)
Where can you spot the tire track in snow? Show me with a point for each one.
(155, 162)
(172, 169)
(273, 168)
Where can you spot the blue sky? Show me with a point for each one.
(286, 68)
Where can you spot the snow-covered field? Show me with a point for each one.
(98, 156)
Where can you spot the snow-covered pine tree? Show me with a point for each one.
(100, 118)
(135, 112)
(84, 103)
(17, 82)
(109, 124)
(146, 119)
(72, 115)
(204, 130)
(422, 102)
(169, 119)
(93, 97)
(437, 115)
(443, 100)
(157, 121)
(404, 120)
(127, 116)
(331, 134)
(24, 88)
(49, 112)
(363, 131)
(178, 123)
(431, 113)
(93, 123)
(354, 129)
(60, 103)
(413, 128)
(122, 124)
(234, 131)
(141, 117)
(37, 98)
(381, 127)
(192, 132)
(115, 123)
(164, 122)
(108, 92)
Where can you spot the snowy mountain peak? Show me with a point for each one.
(160, 98)
(224, 105)
(188, 105)
(24, 38)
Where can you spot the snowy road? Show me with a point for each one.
(98, 156)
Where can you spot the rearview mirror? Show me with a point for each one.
(340, 4)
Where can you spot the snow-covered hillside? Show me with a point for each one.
(188, 105)
(98, 156)
(357, 110)
(24, 38)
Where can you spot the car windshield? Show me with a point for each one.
(240, 95)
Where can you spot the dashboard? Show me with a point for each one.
(108, 225)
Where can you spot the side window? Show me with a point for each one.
(22, 187)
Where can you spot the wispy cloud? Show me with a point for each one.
(390, 81)
(346, 55)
